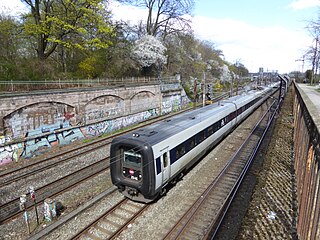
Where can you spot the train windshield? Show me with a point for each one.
(132, 159)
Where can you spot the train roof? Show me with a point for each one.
(164, 129)
(169, 127)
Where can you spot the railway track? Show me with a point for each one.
(204, 217)
(104, 232)
(107, 233)
(11, 209)
(112, 222)
(13, 175)
(16, 174)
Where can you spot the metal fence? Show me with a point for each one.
(25, 85)
(307, 166)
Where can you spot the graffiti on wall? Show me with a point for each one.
(104, 107)
(108, 126)
(132, 119)
(10, 153)
(4, 139)
(32, 117)
(171, 103)
(97, 129)
(49, 135)
(49, 124)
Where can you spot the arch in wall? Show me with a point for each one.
(144, 100)
(103, 107)
(39, 118)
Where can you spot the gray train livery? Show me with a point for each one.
(143, 163)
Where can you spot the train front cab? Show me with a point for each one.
(132, 169)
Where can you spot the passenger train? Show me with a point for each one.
(144, 162)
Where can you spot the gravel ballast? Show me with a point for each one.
(161, 215)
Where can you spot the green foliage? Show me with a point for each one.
(308, 74)
(71, 39)
(80, 24)
(87, 67)
(218, 86)
(239, 69)
(8, 47)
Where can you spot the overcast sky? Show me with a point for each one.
(258, 33)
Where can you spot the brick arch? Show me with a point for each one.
(103, 107)
(41, 116)
(142, 94)
(144, 100)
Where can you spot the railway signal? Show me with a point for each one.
(33, 197)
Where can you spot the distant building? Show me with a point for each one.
(261, 75)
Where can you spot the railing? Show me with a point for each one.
(307, 165)
(26, 85)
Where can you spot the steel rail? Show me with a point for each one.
(17, 171)
(188, 216)
(11, 209)
(216, 225)
(112, 229)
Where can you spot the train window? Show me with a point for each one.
(216, 126)
(192, 143)
(165, 159)
(233, 115)
(210, 130)
(158, 164)
(180, 151)
(173, 155)
(132, 159)
(200, 136)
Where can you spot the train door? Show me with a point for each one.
(165, 166)
(234, 116)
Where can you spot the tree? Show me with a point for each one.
(312, 53)
(308, 75)
(9, 38)
(71, 23)
(165, 16)
(149, 52)
(239, 69)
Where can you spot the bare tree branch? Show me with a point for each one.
(165, 16)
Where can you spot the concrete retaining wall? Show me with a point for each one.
(33, 123)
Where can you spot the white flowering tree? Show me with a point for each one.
(149, 53)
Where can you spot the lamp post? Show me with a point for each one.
(301, 60)
(204, 89)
